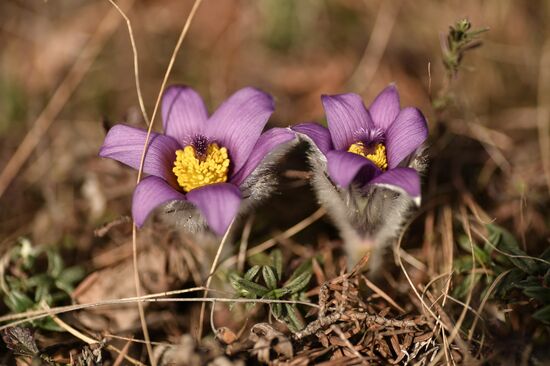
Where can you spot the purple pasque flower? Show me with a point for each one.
(199, 159)
(370, 146)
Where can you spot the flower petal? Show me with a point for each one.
(267, 142)
(150, 193)
(319, 134)
(219, 203)
(344, 166)
(125, 144)
(385, 107)
(184, 114)
(405, 134)
(403, 180)
(346, 116)
(238, 123)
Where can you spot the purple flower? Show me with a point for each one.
(199, 159)
(370, 146)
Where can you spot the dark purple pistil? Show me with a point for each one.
(369, 138)
(200, 144)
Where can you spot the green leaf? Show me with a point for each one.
(65, 287)
(538, 293)
(49, 324)
(304, 267)
(295, 323)
(18, 302)
(464, 287)
(269, 276)
(463, 264)
(55, 263)
(277, 310)
(71, 275)
(543, 314)
(42, 293)
(508, 282)
(252, 272)
(276, 293)
(277, 263)
(41, 279)
(299, 283)
(506, 242)
(528, 282)
(250, 287)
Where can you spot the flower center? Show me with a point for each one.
(376, 153)
(197, 166)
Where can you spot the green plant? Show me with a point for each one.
(26, 286)
(521, 274)
(264, 280)
(459, 40)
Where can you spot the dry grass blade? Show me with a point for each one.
(380, 36)
(136, 61)
(140, 171)
(455, 332)
(66, 309)
(382, 294)
(273, 241)
(397, 253)
(543, 111)
(122, 354)
(213, 269)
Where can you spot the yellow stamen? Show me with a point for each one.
(377, 156)
(193, 172)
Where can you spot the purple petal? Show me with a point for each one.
(125, 144)
(219, 204)
(385, 107)
(238, 123)
(347, 117)
(401, 179)
(184, 114)
(267, 142)
(405, 134)
(344, 166)
(319, 134)
(150, 193)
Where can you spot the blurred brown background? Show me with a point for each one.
(295, 50)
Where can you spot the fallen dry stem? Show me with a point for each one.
(136, 63)
(76, 333)
(140, 171)
(213, 269)
(397, 252)
(69, 308)
(382, 294)
(456, 329)
(66, 309)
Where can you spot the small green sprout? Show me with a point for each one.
(265, 281)
(460, 39)
(34, 276)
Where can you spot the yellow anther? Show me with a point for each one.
(193, 172)
(377, 154)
